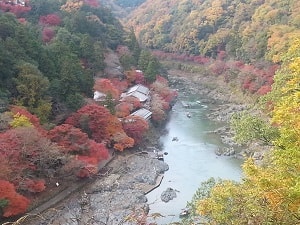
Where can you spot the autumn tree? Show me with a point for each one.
(158, 108)
(135, 127)
(11, 203)
(101, 126)
(106, 86)
(268, 193)
(20, 121)
(127, 105)
(47, 34)
(161, 87)
(74, 141)
(28, 154)
(19, 111)
(123, 109)
(50, 19)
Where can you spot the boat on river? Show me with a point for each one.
(184, 212)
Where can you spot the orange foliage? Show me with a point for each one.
(122, 85)
(92, 119)
(135, 77)
(123, 109)
(135, 127)
(160, 87)
(97, 153)
(158, 107)
(72, 139)
(106, 86)
(135, 102)
(17, 203)
(100, 125)
(24, 150)
(122, 141)
(90, 153)
(72, 5)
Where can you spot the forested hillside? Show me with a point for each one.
(269, 193)
(61, 46)
(247, 30)
(53, 56)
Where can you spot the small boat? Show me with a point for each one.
(175, 139)
(188, 115)
(184, 212)
(160, 156)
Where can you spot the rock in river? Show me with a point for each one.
(168, 195)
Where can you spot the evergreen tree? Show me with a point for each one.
(144, 59)
(152, 70)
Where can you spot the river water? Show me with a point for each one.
(191, 159)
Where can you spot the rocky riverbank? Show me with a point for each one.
(117, 197)
(223, 100)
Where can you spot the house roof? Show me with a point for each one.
(140, 96)
(144, 113)
(139, 91)
(98, 96)
(139, 88)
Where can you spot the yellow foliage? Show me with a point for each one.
(270, 193)
(72, 5)
(20, 121)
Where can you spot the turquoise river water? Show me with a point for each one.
(191, 159)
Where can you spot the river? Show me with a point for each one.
(191, 158)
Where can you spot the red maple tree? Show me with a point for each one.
(106, 86)
(16, 203)
(100, 125)
(50, 19)
(123, 109)
(135, 127)
(47, 34)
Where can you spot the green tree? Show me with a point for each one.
(127, 61)
(133, 45)
(152, 70)
(32, 87)
(250, 128)
(110, 104)
(31, 84)
(144, 59)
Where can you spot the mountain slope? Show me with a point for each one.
(246, 30)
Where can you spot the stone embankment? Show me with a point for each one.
(111, 199)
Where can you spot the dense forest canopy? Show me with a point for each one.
(246, 30)
(61, 44)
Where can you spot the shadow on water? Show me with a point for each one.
(191, 159)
